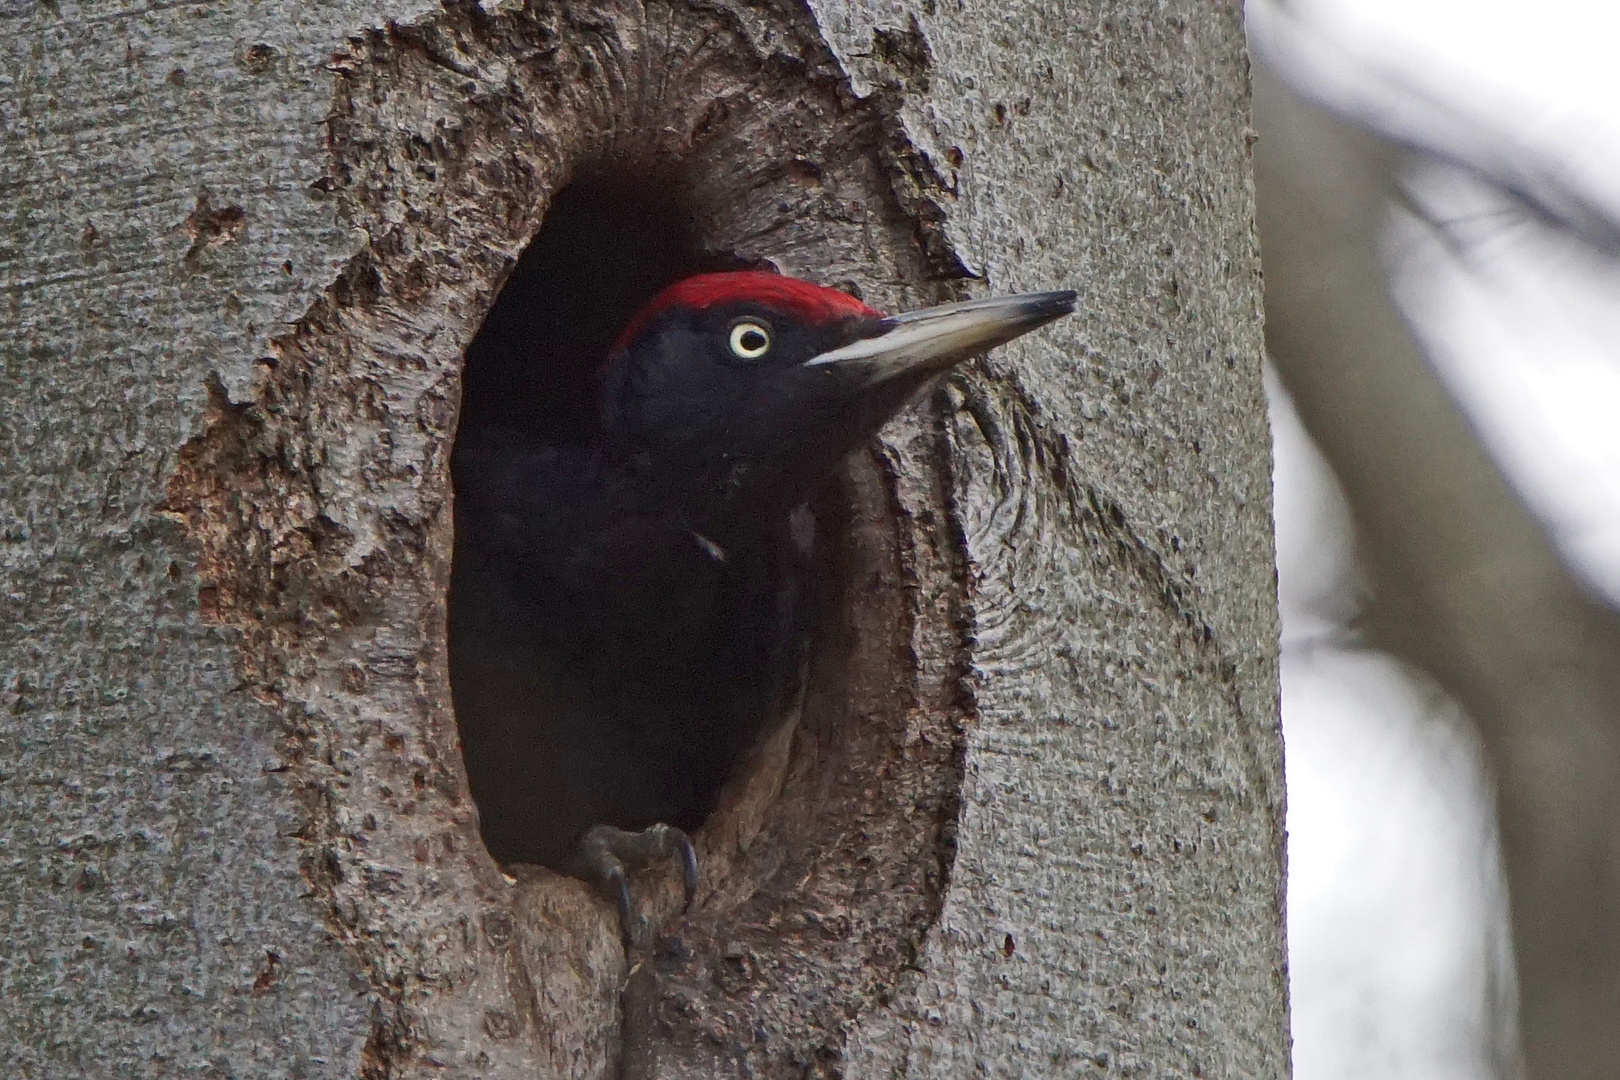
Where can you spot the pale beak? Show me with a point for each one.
(937, 338)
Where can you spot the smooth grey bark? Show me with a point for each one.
(1030, 821)
(1466, 584)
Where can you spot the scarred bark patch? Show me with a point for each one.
(320, 511)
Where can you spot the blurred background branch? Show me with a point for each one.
(1459, 577)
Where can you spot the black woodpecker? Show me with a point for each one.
(624, 607)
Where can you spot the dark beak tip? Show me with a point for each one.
(1061, 302)
(1039, 309)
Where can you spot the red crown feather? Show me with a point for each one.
(802, 299)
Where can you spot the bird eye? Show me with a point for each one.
(750, 340)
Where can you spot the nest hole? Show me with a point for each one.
(611, 239)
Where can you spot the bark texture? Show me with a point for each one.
(1029, 822)
(1467, 584)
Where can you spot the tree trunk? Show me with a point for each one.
(1029, 823)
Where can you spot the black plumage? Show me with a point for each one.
(610, 660)
(628, 597)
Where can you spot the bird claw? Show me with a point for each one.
(605, 852)
(689, 869)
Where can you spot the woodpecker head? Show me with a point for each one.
(755, 385)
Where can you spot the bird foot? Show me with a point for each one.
(606, 853)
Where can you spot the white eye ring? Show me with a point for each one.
(750, 340)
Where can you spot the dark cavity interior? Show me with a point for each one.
(607, 245)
